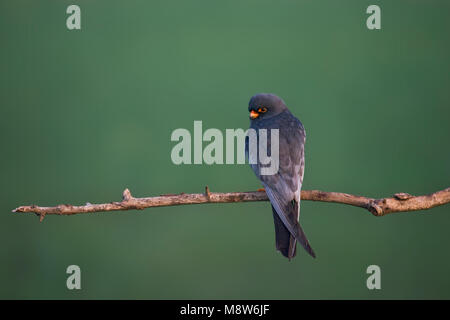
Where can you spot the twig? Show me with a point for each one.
(400, 202)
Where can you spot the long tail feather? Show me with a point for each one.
(285, 243)
(286, 213)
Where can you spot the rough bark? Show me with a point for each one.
(399, 202)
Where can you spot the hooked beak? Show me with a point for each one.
(254, 114)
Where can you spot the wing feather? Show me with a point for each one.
(284, 187)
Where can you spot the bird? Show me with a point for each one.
(283, 188)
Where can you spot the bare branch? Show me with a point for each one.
(400, 202)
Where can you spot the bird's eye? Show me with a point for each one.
(263, 109)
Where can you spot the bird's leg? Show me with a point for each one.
(261, 189)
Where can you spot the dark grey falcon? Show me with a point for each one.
(268, 111)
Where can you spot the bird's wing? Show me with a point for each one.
(287, 212)
(284, 187)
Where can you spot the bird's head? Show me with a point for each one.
(265, 105)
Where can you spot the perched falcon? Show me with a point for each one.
(267, 111)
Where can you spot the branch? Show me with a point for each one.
(378, 207)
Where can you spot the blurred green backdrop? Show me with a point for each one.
(88, 113)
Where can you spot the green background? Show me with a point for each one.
(87, 113)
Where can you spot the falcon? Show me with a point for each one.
(268, 111)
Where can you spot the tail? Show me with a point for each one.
(285, 242)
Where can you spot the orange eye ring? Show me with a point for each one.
(262, 110)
